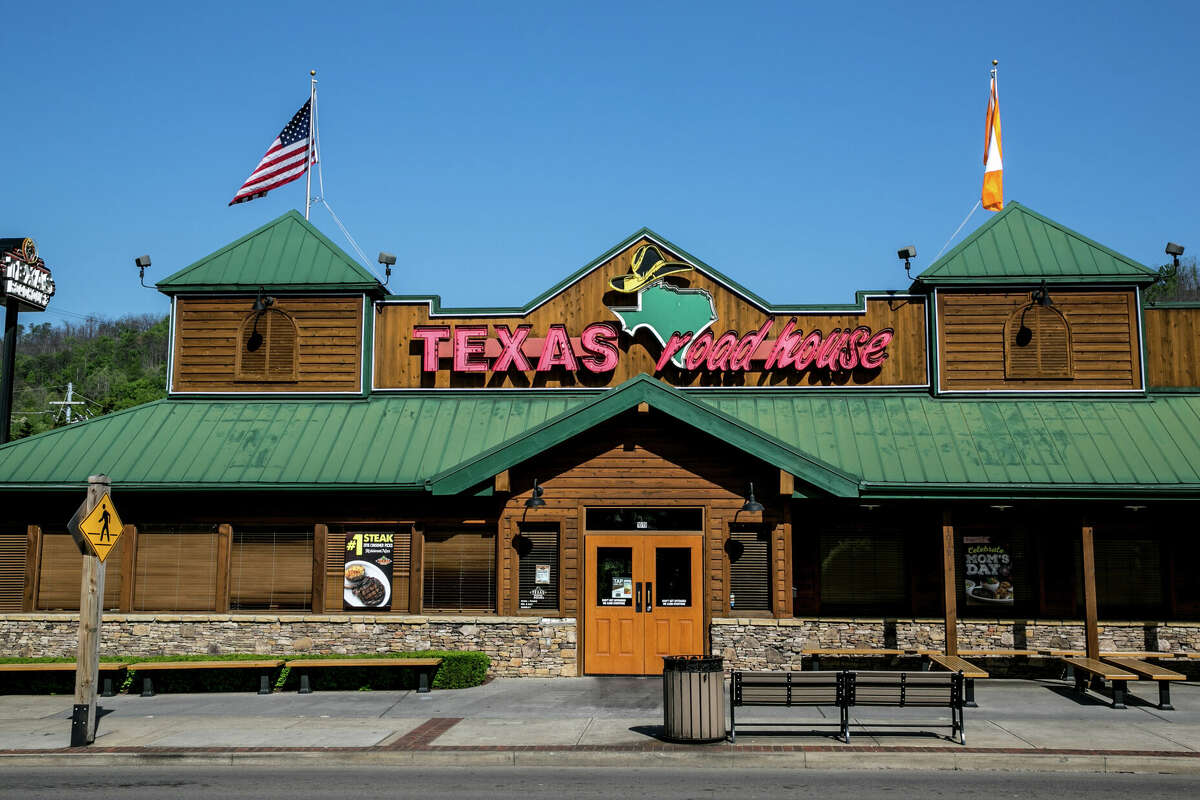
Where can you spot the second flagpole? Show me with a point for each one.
(312, 138)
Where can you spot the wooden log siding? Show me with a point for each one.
(1173, 347)
(646, 460)
(207, 340)
(1104, 339)
(398, 357)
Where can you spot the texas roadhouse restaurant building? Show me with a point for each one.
(647, 459)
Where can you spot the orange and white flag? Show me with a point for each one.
(993, 163)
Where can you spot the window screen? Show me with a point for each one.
(861, 569)
(176, 568)
(460, 570)
(749, 551)
(537, 567)
(270, 569)
(61, 569)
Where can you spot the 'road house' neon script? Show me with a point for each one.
(471, 348)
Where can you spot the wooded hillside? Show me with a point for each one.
(113, 364)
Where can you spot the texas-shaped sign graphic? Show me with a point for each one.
(664, 309)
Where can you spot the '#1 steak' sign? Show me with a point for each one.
(476, 348)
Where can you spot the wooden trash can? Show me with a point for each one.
(693, 699)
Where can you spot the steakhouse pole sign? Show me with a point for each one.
(25, 285)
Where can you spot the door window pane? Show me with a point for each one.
(673, 576)
(614, 576)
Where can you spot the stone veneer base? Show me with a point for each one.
(547, 646)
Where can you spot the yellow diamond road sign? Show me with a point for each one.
(102, 527)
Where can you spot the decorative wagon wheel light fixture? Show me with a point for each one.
(535, 497)
(751, 504)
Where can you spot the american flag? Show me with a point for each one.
(286, 158)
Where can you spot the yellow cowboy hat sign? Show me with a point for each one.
(648, 266)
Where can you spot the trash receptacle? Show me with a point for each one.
(693, 698)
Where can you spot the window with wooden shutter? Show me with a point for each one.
(1037, 344)
(749, 550)
(863, 570)
(12, 571)
(61, 569)
(267, 348)
(537, 566)
(176, 568)
(270, 568)
(460, 570)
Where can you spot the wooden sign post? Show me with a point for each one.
(96, 528)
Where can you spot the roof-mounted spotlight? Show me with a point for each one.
(387, 261)
(1174, 251)
(907, 254)
(143, 263)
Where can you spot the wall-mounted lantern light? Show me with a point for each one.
(751, 505)
(535, 497)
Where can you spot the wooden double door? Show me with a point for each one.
(642, 601)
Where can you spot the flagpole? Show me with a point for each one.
(312, 137)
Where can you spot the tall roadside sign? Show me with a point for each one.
(96, 529)
(25, 285)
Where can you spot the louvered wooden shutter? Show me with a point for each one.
(335, 562)
(1037, 344)
(537, 545)
(176, 570)
(270, 569)
(749, 551)
(460, 571)
(401, 569)
(62, 568)
(268, 347)
(12, 571)
(860, 569)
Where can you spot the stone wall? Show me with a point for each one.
(518, 646)
(777, 643)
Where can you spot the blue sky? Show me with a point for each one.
(495, 147)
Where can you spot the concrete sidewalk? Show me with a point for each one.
(1019, 724)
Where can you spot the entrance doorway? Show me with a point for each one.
(642, 601)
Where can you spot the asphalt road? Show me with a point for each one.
(187, 782)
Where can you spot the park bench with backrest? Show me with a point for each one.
(912, 690)
(789, 690)
(425, 667)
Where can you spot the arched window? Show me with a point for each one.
(267, 347)
(1037, 344)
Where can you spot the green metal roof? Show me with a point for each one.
(1018, 245)
(848, 444)
(287, 253)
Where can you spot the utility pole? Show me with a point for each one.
(70, 402)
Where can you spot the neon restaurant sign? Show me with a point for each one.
(473, 348)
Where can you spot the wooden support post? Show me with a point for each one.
(224, 567)
(320, 537)
(33, 561)
(87, 658)
(787, 483)
(128, 568)
(950, 585)
(1091, 624)
(503, 484)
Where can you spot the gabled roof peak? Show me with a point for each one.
(287, 253)
(1018, 245)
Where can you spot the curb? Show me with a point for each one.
(1187, 763)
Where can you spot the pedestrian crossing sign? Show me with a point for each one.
(102, 527)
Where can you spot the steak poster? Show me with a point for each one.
(368, 570)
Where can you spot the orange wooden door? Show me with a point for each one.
(674, 611)
(642, 601)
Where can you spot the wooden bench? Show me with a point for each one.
(1151, 672)
(1081, 668)
(815, 653)
(788, 689)
(969, 672)
(69, 666)
(425, 667)
(264, 666)
(904, 689)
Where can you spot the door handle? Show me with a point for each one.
(637, 594)
(649, 597)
